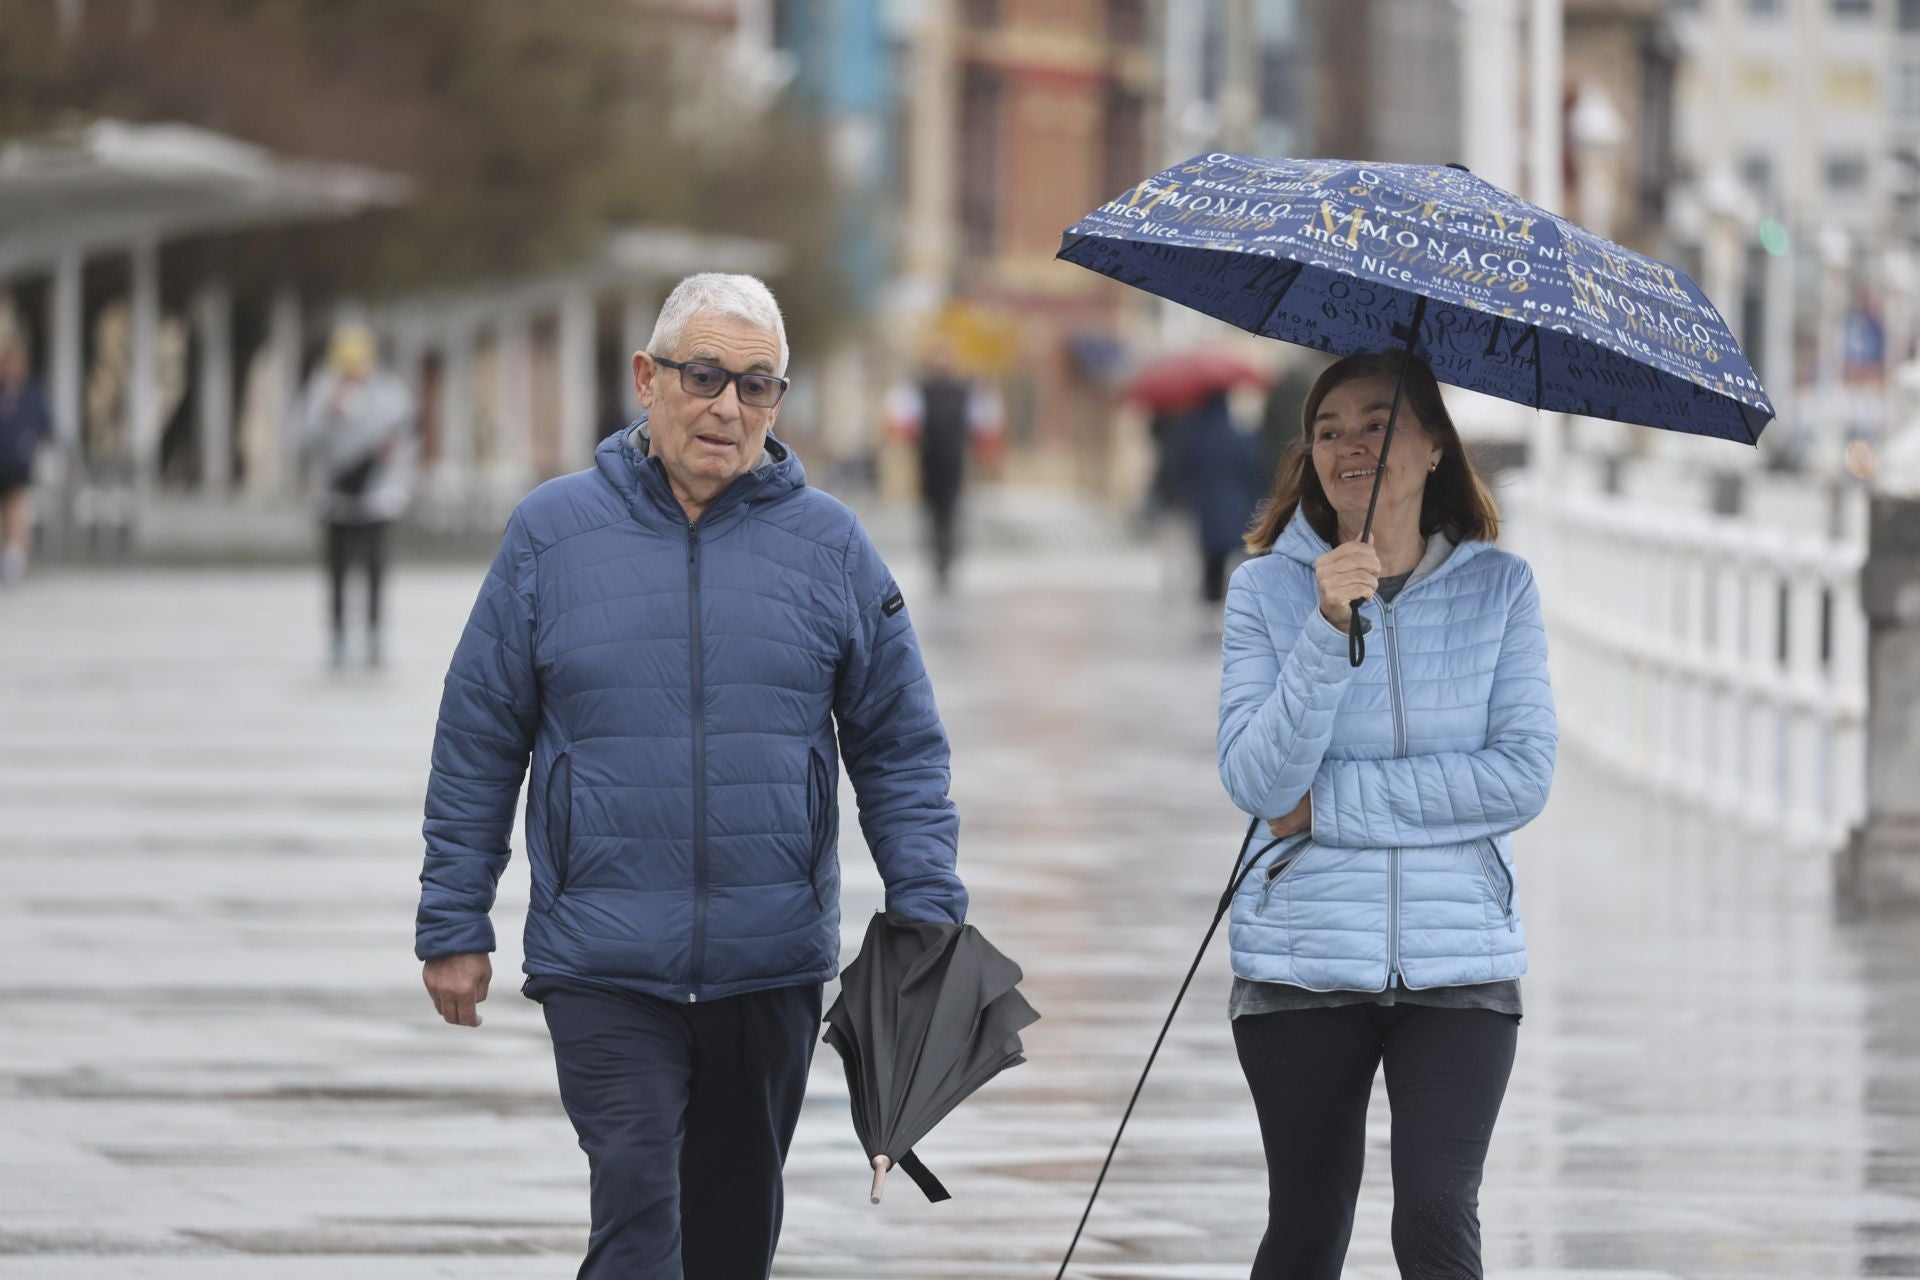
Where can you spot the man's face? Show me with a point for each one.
(707, 444)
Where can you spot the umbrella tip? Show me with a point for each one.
(880, 1166)
(1451, 164)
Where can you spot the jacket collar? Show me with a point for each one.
(1300, 541)
(626, 459)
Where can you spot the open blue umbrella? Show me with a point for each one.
(1495, 294)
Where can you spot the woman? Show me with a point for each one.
(359, 426)
(1381, 926)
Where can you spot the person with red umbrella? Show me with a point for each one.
(1205, 464)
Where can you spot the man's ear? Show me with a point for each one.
(645, 372)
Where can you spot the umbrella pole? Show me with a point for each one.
(1356, 638)
(880, 1166)
(1242, 865)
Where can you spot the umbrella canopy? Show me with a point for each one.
(1180, 381)
(1520, 303)
(927, 1013)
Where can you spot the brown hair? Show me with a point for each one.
(1456, 499)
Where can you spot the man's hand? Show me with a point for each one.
(1349, 572)
(458, 984)
(1301, 819)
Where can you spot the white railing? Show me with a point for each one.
(1718, 658)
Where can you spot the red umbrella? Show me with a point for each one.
(1186, 380)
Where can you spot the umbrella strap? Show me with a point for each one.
(923, 1178)
(1356, 631)
(1241, 866)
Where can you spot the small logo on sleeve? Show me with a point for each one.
(893, 604)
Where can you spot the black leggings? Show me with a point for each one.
(1311, 1072)
(348, 544)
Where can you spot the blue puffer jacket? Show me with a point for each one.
(677, 688)
(1422, 763)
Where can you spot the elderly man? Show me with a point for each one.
(672, 638)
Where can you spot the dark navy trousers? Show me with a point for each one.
(685, 1112)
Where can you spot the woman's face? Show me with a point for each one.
(1347, 433)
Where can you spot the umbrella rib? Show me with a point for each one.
(1281, 297)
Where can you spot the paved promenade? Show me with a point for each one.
(216, 1059)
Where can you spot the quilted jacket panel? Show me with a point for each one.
(1422, 763)
(684, 696)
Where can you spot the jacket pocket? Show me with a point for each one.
(1500, 885)
(822, 821)
(1281, 868)
(560, 821)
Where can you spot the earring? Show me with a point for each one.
(1435, 467)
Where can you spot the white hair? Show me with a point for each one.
(741, 297)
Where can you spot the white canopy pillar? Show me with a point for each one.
(66, 342)
(513, 397)
(213, 325)
(281, 471)
(143, 398)
(453, 447)
(579, 405)
(636, 321)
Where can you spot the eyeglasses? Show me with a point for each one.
(757, 390)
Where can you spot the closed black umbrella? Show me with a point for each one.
(927, 1014)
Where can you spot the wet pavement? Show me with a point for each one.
(216, 1059)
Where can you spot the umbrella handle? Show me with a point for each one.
(880, 1166)
(1356, 635)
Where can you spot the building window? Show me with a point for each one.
(1910, 15)
(981, 13)
(1847, 172)
(1756, 170)
(1763, 8)
(1125, 130)
(1906, 91)
(1278, 92)
(1127, 22)
(1683, 6)
(980, 98)
(1852, 8)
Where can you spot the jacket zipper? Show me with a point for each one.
(1486, 850)
(1399, 749)
(1280, 871)
(560, 846)
(699, 763)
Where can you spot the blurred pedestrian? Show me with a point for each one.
(1280, 414)
(360, 431)
(1223, 475)
(1382, 927)
(673, 638)
(950, 416)
(25, 425)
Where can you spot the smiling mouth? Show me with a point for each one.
(1359, 473)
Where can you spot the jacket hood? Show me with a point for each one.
(1302, 542)
(626, 459)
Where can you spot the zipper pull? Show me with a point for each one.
(1273, 877)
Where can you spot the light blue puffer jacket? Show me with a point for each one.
(1422, 764)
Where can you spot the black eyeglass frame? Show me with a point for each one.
(730, 379)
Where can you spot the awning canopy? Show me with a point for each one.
(109, 183)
